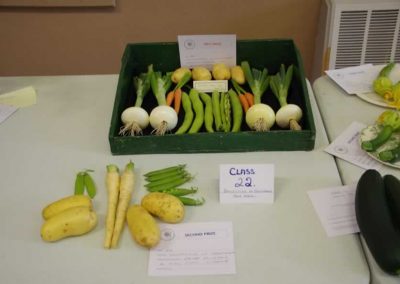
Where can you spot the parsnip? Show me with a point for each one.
(125, 193)
(112, 185)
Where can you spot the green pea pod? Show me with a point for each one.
(79, 183)
(215, 98)
(166, 180)
(237, 111)
(198, 110)
(191, 201)
(181, 191)
(208, 112)
(222, 111)
(164, 170)
(188, 119)
(227, 112)
(165, 175)
(90, 186)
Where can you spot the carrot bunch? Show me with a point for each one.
(246, 98)
(175, 96)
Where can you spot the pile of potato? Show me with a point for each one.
(69, 216)
(143, 226)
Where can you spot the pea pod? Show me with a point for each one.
(208, 112)
(156, 183)
(89, 184)
(191, 201)
(164, 170)
(237, 111)
(198, 109)
(79, 183)
(170, 184)
(165, 175)
(215, 98)
(181, 191)
(188, 119)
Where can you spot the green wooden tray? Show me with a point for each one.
(269, 53)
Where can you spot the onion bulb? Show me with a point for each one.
(288, 116)
(260, 117)
(135, 119)
(163, 118)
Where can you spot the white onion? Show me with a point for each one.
(135, 119)
(260, 117)
(163, 118)
(288, 116)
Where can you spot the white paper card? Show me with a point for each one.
(210, 86)
(6, 111)
(347, 147)
(354, 80)
(193, 249)
(246, 183)
(205, 50)
(335, 209)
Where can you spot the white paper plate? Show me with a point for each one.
(375, 99)
(369, 133)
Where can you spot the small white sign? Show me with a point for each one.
(194, 249)
(211, 86)
(246, 183)
(205, 50)
(347, 147)
(335, 209)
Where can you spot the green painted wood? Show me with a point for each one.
(165, 57)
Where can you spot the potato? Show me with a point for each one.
(165, 206)
(73, 221)
(221, 72)
(67, 202)
(238, 75)
(179, 73)
(200, 73)
(143, 227)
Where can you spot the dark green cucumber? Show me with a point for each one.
(375, 222)
(392, 188)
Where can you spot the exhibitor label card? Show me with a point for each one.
(347, 147)
(335, 209)
(205, 50)
(246, 183)
(194, 249)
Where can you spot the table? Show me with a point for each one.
(42, 147)
(338, 111)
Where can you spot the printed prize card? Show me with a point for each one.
(194, 249)
(205, 50)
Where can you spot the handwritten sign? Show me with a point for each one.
(246, 183)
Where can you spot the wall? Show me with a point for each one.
(57, 41)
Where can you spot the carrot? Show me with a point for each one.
(250, 98)
(170, 97)
(244, 102)
(177, 100)
(125, 193)
(112, 185)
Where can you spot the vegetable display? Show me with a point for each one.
(376, 216)
(217, 111)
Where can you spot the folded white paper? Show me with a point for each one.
(335, 209)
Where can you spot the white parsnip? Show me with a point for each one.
(126, 187)
(112, 185)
